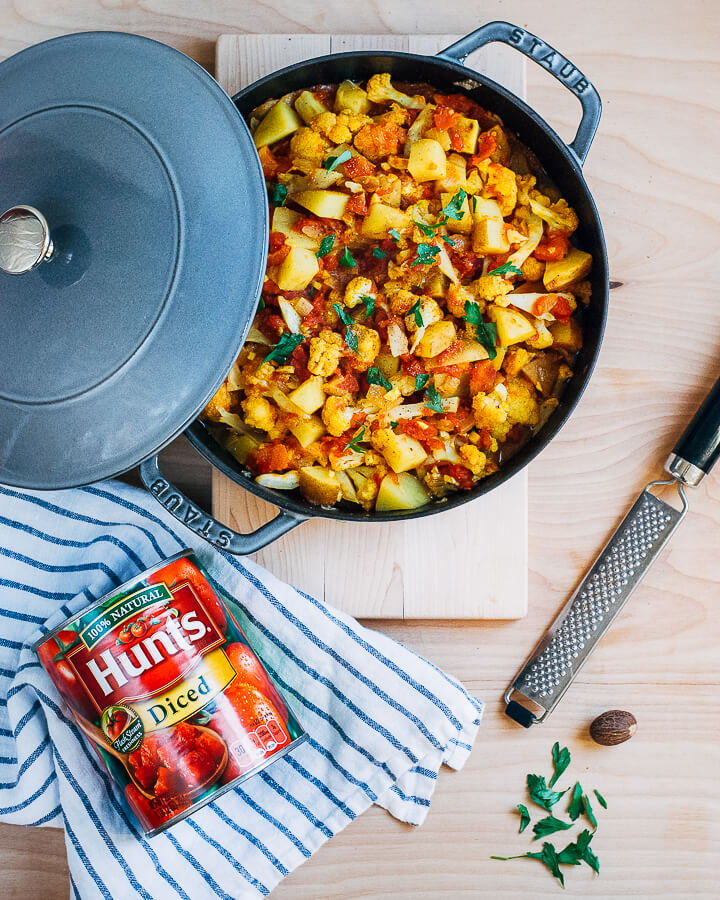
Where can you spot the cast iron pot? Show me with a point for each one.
(563, 164)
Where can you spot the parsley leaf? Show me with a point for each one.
(332, 162)
(351, 340)
(601, 800)
(421, 381)
(379, 254)
(375, 376)
(427, 230)
(549, 825)
(354, 441)
(589, 812)
(486, 331)
(580, 851)
(369, 304)
(575, 807)
(278, 194)
(261, 304)
(426, 255)
(415, 310)
(541, 794)
(433, 400)
(547, 856)
(326, 245)
(346, 259)
(453, 208)
(311, 291)
(395, 234)
(447, 240)
(284, 347)
(524, 817)
(394, 425)
(561, 760)
(507, 268)
(343, 314)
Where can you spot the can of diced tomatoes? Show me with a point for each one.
(161, 678)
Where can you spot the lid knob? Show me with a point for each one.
(24, 240)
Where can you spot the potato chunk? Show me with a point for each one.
(381, 218)
(461, 226)
(319, 485)
(279, 122)
(351, 97)
(309, 396)
(512, 326)
(402, 452)
(310, 430)
(437, 337)
(567, 335)
(325, 204)
(402, 491)
(308, 106)
(488, 237)
(427, 160)
(283, 220)
(563, 272)
(297, 270)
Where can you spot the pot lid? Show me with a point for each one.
(132, 252)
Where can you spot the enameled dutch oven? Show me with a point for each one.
(227, 275)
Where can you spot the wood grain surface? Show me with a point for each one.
(381, 569)
(653, 171)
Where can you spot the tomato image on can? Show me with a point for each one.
(163, 681)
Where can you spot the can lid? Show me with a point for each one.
(133, 220)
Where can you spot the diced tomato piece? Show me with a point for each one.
(462, 475)
(411, 365)
(268, 162)
(456, 139)
(145, 775)
(553, 247)
(485, 439)
(358, 204)
(211, 744)
(487, 144)
(416, 428)
(454, 370)
(271, 324)
(299, 360)
(167, 782)
(342, 384)
(461, 104)
(269, 458)
(196, 767)
(444, 117)
(461, 421)
(562, 310)
(279, 249)
(466, 263)
(359, 167)
(482, 377)
(379, 139)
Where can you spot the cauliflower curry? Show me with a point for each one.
(418, 317)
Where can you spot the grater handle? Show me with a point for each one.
(698, 448)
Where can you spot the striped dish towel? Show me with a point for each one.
(381, 719)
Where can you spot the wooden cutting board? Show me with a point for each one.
(468, 563)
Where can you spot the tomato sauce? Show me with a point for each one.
(177, 704)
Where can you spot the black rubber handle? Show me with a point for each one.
(214, 532)
(566, 72)
(699, 444)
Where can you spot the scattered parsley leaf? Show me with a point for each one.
(346, 259)
(326, 245)
(452, 210)
(447, 240)
(421, 381)
(354, 441)
(541, 794)
(379, 254)
(561, 760)
(576, 807)
(507, 268)
(580, 851)
(278, 194)
(601, 800)
(427, 230)
(311, 291)
(549, 825)
(433, 400)
(589, 811)
(351, 339)
(261, 304)
(332, 162)
(547, 856)
(426, 254)
(284, 347)
(524, 817)
(486, 331)
(395, 234)
(369, 304)
(415, 311)
(394, 425)
(343, 314)
(375, 376)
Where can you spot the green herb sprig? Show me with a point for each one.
(278, 194)
(284, 348)
(507, 268)
(486, 331)
(433, 399)
(332, 162)
(347, 320)
(326, 245)
(375, 376)
(356, 439)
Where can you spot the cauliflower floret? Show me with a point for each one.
(368, 345)
(327, 124)
(325, 352)
(367, 492)
(559, 216)
(473, 458)
(533, 269)
(357, 288)
(259, 413)
(502, 185)
(515, 359)
(491, 414)
(307, 144)
(337, 415)
(353, 121)
(380, 437)
(456, 298)
(380, 90)
(525, 183)
(377, 140)
(430, 312)
(220, 403)
(491, 288)
(521, 403)
(400, 299)
(543, 339)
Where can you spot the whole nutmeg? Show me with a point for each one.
(613, 727)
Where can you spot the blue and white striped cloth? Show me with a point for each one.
(381, 719)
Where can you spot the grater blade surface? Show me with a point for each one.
(591, 610)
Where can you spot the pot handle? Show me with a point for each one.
(546, 56)
(179, 506)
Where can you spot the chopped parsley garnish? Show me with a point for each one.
(541, 794)
(561, 760)
(601, 800)
(589, 813)
(507, 268)
(379, 254)
(427, 230)
(548, 856)
(486, 331)
(415, 310)
(369, 304)
(375, 376)
(278, 194)
(453, 209)
(395, 234)
(524, 817)
(354, 441)
(311, 291)
(421, 381)
(394, 425)
(261, 304)
(332, 162)
(351, 339)
(343, 314)
(350, 336)
(549, 825)
(433, 400)
(284, 347)
(326, 245)
(346, 259)
(576, 806)
(426, 255)
(447, 240)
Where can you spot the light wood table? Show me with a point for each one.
(653, 171)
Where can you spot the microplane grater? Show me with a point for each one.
(617, 571)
